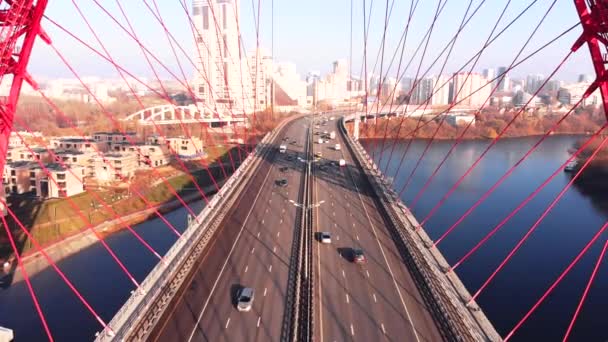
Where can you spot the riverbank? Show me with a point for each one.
(34, 262)
(486, 126)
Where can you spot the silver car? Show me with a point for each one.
(244, 299)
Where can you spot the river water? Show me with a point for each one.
(555, 242)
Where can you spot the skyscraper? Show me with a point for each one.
(470, 90)
(503, 79)
(222, 80)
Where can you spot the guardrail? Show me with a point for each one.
(143, 304)
(448, 298)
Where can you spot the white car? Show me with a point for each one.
(342, 162)
(325, 237)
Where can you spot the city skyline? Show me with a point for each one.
(302, 47)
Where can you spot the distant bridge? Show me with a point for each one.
(174, 115)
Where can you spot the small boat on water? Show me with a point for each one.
(571, 166)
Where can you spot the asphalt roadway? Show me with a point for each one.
(377, 301)
(252, 249)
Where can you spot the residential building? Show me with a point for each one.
(75, 158)
(184, 146)
(79, 144)
(110, 137)
(523, 98)
(113, 167)
(290, 90)
(460, 119)
(222, 84)
(470, 90)
(28, 154)
(60, 181)
(572, 94)
(533, 83)
(433, 91)
(16, 177)
(504, 82)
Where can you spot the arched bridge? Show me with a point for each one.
(173, 115)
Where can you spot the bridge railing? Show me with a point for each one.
(162, 274)
(462, 319)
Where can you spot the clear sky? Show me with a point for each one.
(314, 33)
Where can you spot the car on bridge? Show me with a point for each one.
(325, 237)
(282, 182)
(244, 299)
(358, 256)
(283, 168)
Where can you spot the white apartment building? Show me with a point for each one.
(110, 137)
(24, 154)
(113, 167)
(16, 177)
(336, 87)
(291, 90)
(470, 90)
(261, 74)
(153, 155)
(61, 181)
(184, 146)
(460, 119)
(78, 144)
(435, 90)
(222, 81)
(75, 158)
(572, 94)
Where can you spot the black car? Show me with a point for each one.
(281, 182)
(283, 168)
(358, 256)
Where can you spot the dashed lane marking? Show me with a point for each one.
(265, 290)
(375, 300)
(227, 323)
(246, 268)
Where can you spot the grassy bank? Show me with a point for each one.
(53, 220)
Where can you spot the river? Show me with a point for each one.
(555, 242)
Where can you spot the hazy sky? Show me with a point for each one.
(314, 33)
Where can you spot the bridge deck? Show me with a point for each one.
(251, 249)
(376, 301)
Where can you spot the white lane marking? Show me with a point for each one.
(274, 249)
(262, 221)
(200, 316)
(347, 299)
(266, 209)
(253, 249)
(343, 274)
(246, 268)
(353, 224)
(347, 204)
(265, 290)
(332, 204)
(366, 271)
(335, 224)
(260, 318)
(407, 312)
(352, 329)
(375, 300)
(357, 237)
(227, 323)
(269, 201)
(334, 214)
(270, 268)
(283, 210)
(338, 237)
(281, 221)
(383, 329)
(278, 233)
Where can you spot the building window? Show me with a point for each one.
(74, 159)
(32, 183)
(13, 172)
(61, 185)
(61, 176)
(32, 174)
